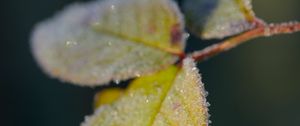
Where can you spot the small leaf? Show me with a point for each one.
(218, 18)
(96, 42)
(174, 96)
(107, 96)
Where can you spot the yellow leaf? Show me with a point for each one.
(172, 97)
(96, 42)
(107, 96)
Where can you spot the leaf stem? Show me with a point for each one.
(260, 30)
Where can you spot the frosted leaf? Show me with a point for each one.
(185, 104)
(218, 18)
(139, 103)
(93, 43)
(156, 23)
(174, 96)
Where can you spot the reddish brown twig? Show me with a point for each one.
(261, 30)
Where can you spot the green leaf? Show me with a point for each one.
(93, 43)
(218, 18)
(174, 96)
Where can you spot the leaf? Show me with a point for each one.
(174, 96)
(218, 18)
(156, 23)
(107, 96)
(96, 42)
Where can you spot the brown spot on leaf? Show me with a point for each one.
(176, 34)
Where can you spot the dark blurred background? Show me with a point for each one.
(256, 84)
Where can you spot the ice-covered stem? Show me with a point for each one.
(261, 30)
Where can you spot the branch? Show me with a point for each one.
(261, 30)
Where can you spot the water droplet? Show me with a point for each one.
(117, 81)
(207, 104)
(137, 74)
(112, 7)
(70, 43)
(181, 91)
(206, 93)
(131, 95)
(271, 25)
(109, 43)
(221, 27)
(194, 68)
(95, 24)
(176, 113)
(169, 98)
(186, 35)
